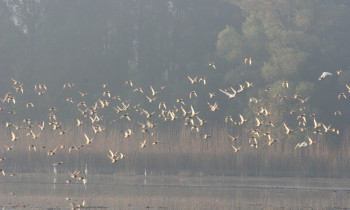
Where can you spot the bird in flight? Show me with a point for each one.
(88, 140)
(248, 60)
(288, 130)
(213, 107)
(230, 95)
(324, 74)
(233, 138)
(143, 144)
(212, 64)
(129, 82)
(348, 87)
(14, 138)
(299, 145)
(235, 149)
(194, 80)
(311, 142)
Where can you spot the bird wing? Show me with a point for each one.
(257, 122)
(348, 87)
(310, 140)
(192, 81)
(111, 152)
(315, 123)
(285, 126)
(233, 90)
(192, 110)
(232, 138)
(153, 93)
(242, 119)
(183, 110)
(87, 138)
(227, 93)
(234, 148)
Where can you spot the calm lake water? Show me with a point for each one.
(38, 191)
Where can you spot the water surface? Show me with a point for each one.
(163, 192)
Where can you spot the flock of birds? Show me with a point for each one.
(92, 117)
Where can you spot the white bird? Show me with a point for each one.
(324, 74)
(82, 94)
(201, 121)
(128, 133)
(35, 136)
(193, 113)
(271, 141)
(248, 60)
(316, 124)
(241, 88)
(299, 145)
(253, 142)
(193, 92)
(230, 95)
(311, 142)
(227, 118)
(129, 82)
(211, 95)
(193, 81)
(212, 64)
(337, 113)
(9, 148)
(242, 120)
(326, 129)
(143, 144)
(342, 95)
(153, 91)
(88, 140)
(79, 122)
(206, 136)
(258, 123)
(213, 107)
(348, 87)
(15, 82)
(2, 171)
(249, 84)
(288, 130)
(235, 149)
(113, 156)
(150, 100)
(232, 138)
(162, 104)
(203, 79)
(14, 138)
(31, 146)
(30, 104)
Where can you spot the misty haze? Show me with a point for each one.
(201, 104)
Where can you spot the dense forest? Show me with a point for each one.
(228, 43)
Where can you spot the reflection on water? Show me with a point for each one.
(141, 192)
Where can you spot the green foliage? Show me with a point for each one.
(284, 63)
(305, 88)
(229, 44)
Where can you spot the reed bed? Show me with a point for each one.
(180, 152)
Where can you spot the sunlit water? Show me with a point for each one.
(154, 192)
